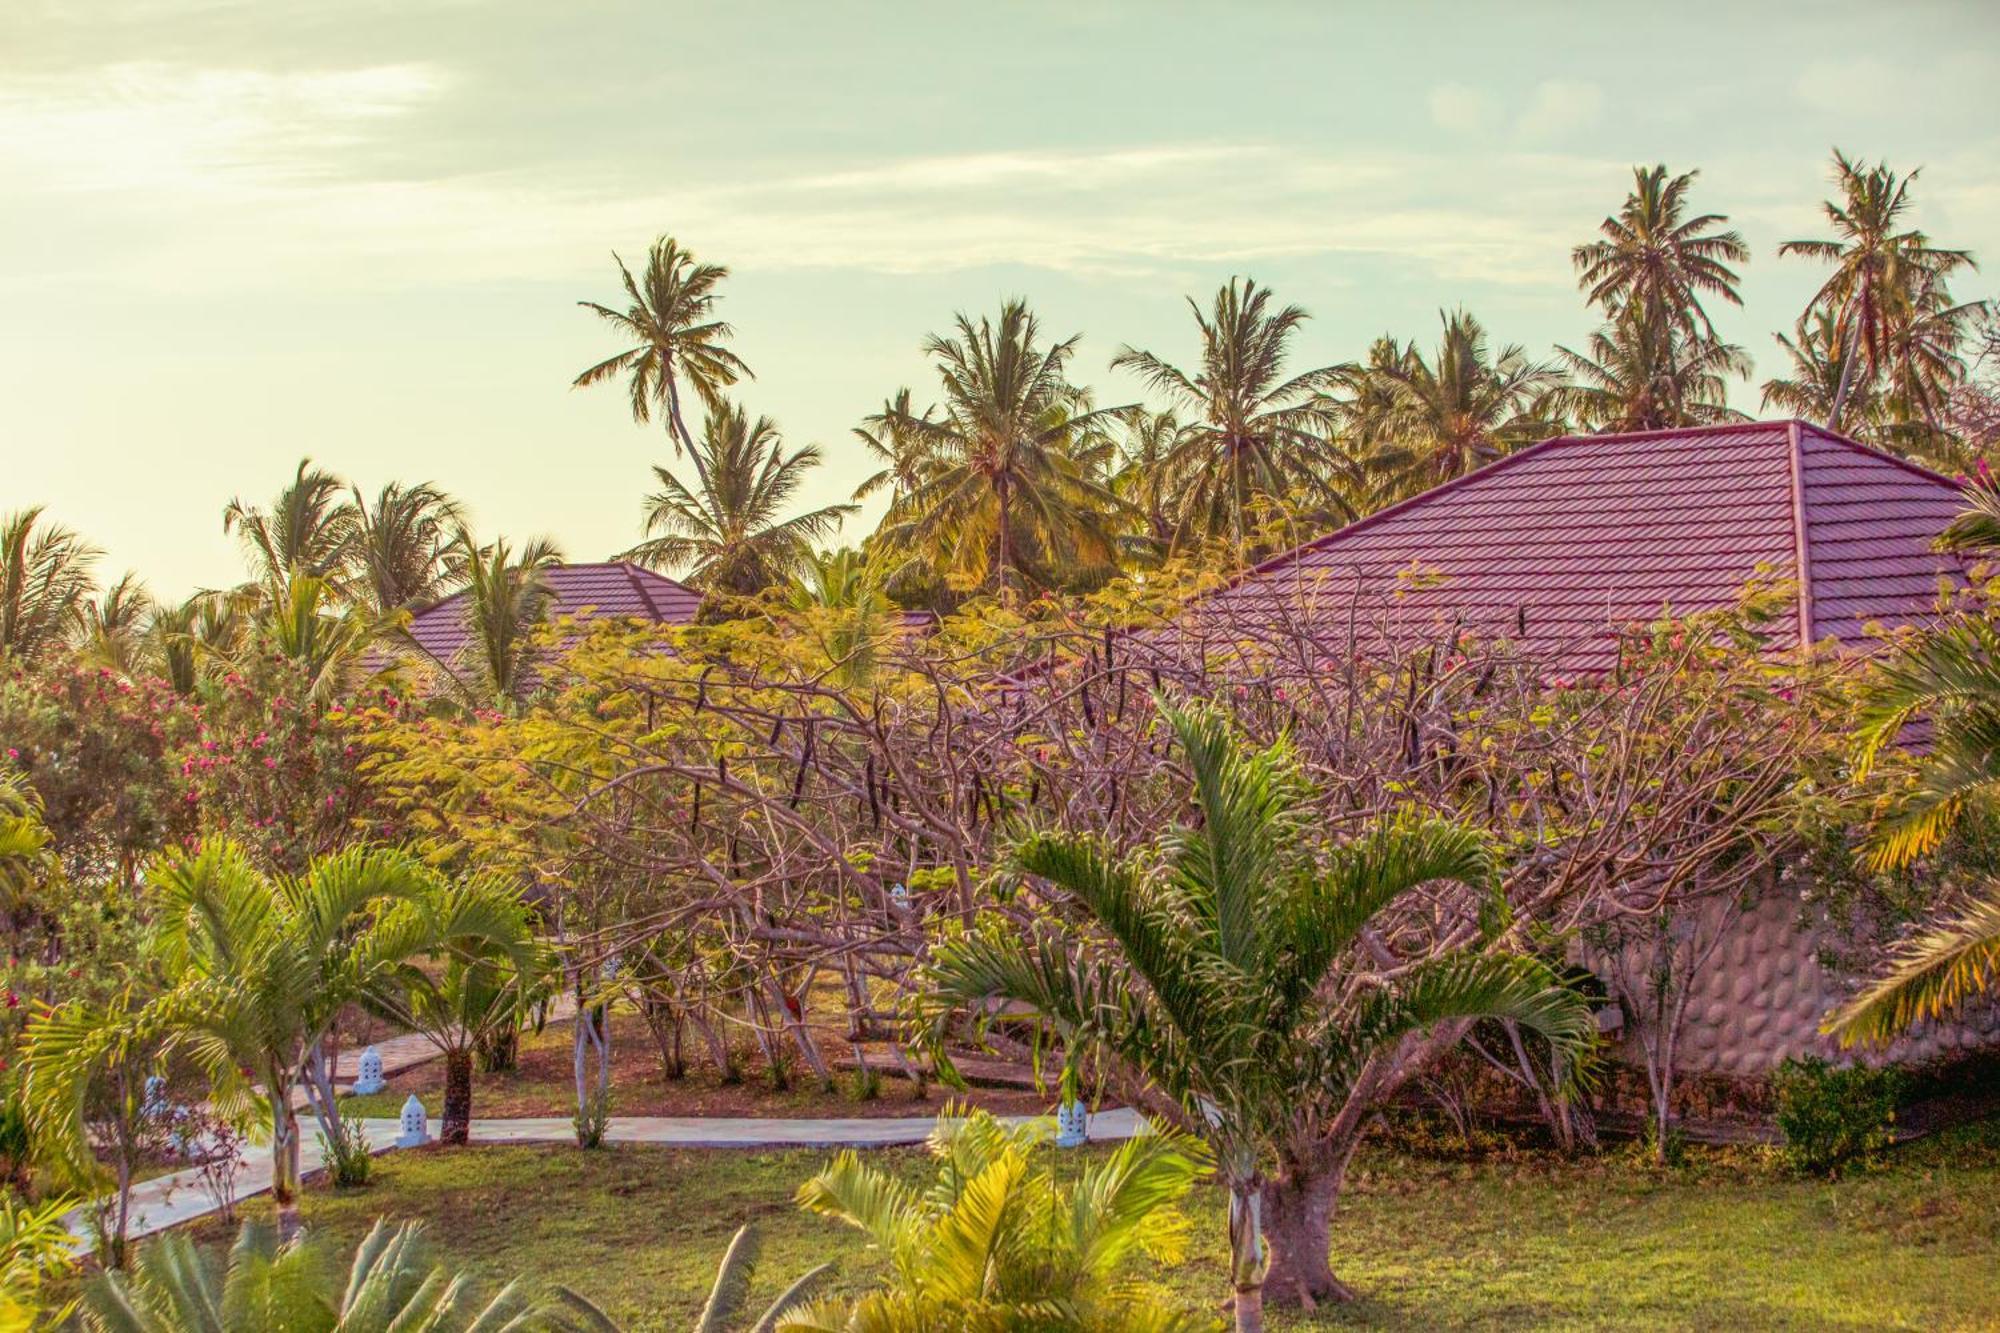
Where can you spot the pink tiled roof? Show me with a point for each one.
(1565, 542)
(617, 590)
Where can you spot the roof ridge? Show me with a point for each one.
(639, 588)
(1801, 532)
(1877, 454)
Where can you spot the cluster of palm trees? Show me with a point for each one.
(1017, 481)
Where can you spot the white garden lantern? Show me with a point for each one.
(370, 1078)
(156, 1106)
(416, 1125)
(1072, 1125)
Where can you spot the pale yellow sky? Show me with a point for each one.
(238, 233)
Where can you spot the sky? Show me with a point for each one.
(237, 234)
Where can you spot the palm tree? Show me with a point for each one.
(1223, 971)
(504, 602)
(264, 965)
(1007, 487)
(305, 624)
(671, 323)
(724, 1305)
(45, 581)
(905, 455)
(1150, 446)
(483, 975)
(1927, 976)
(174, 645)
(998, 1242)
(1654, 258)
(840, 596)
(1256, 434)
(1817, 367)
(403, 546)
(393, 1282)
(1885, 275)
(1440, 419)
(1641, 372)
(727, 530)
(114, 631)
(308, 530)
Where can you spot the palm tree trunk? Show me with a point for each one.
(284, 1159)
(1006, 554)
(457, 1127)
(1246, 1253)
(1298, 1221)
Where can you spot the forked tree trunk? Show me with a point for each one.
(457, 1127)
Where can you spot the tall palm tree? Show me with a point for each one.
(905, 455)
(670, 321)
(1221, 966)
(305, 623)
(998, 1242)
(1009, 488)
(483, 974)
(263, 966)
(1256, 434)
(309, 528)
(1653, 257)
(393, 1282)
(1885, 274)
(1642, 372)
(840, 594)
(728, 530)
(1151, 450)
(403, 546)
(45, 583)
(1439, 419)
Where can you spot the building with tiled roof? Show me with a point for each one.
(616, 590)
(1560, 546)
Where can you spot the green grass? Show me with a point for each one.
(1726, 1242)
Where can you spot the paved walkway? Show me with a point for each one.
(168, 1201)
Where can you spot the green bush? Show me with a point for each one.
(1830, 1115)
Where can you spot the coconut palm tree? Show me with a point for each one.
(305, 623)
(404, 546)
(1008, 488)
(264, 964)
(728, 530)
(1641, 372)
(1885, 274)
(1150, 446)
(676, 339)
(1439, 419)
(1255, 433)
(173, 644)
(905, 456)
(392, 1282)
(1654, 258)
(1809, 390)
(45, 583)
(1221, 966)
(309, 529)
(998, 1242)
(484, 973)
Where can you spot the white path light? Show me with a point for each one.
(416, 1126)
(370, 1078)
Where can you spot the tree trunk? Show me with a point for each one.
(457, 1127)
(1298, 1223)
(1247, 1254)
(285, 1161)
(500, 1050)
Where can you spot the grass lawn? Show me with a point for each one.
(1723, 1243)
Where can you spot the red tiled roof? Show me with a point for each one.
(1561, 544)
(618, 590)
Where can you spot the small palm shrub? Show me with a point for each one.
(724, 1308)
(1829, 1116)
(997, 1241)
(391, 1283)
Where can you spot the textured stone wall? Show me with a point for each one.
(1763, 994)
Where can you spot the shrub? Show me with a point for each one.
(1830, 1115)
(349, 1161)
(593, 1121)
